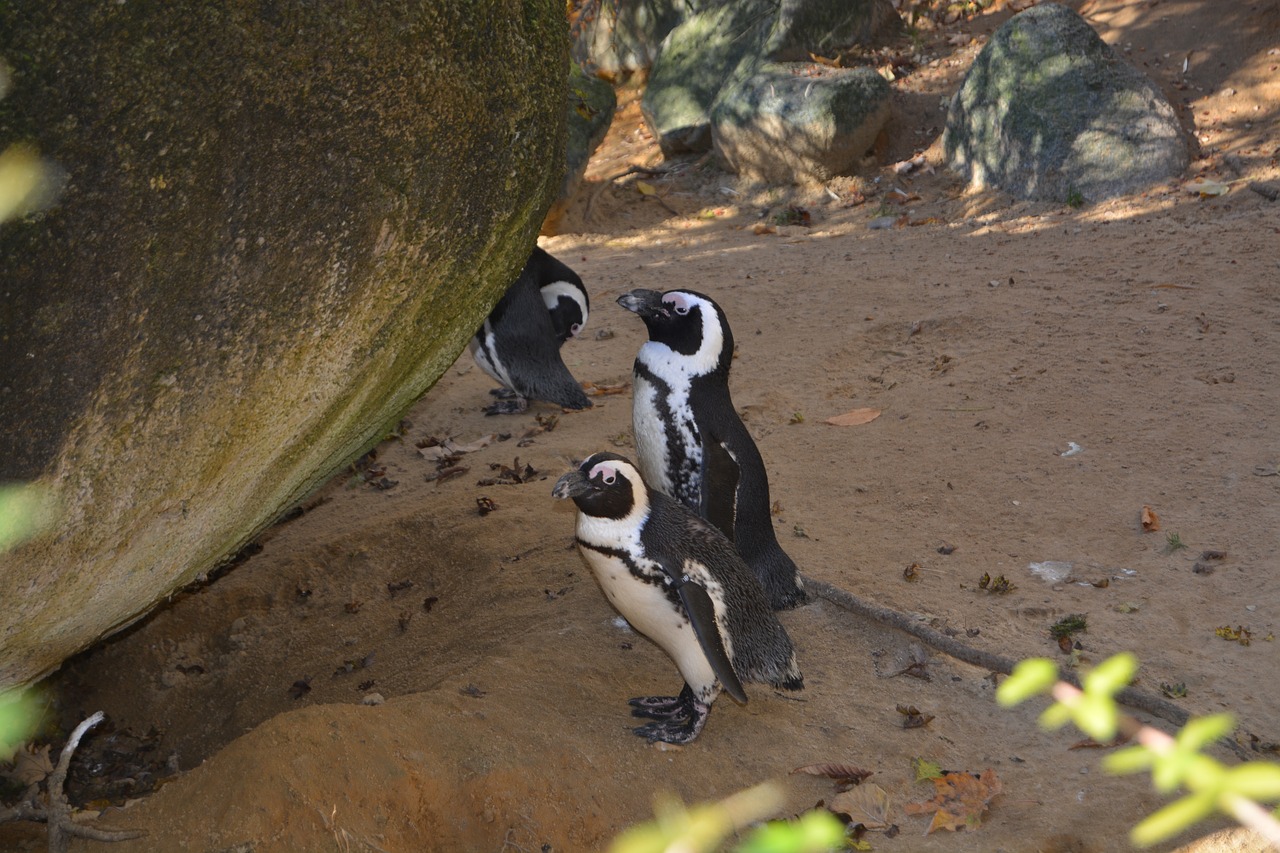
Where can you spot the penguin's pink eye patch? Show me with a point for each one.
(606, 472)
(574, 329)
(680, 302)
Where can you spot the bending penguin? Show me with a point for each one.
(519, 343)
(690, 441)
(682, 584)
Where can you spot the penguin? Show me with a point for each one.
(519, 343)
(690, 442)
(680, 582)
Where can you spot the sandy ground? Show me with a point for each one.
(1042, 373)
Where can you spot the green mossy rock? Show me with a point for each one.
(720, 45)
(695, 60)
(787, 123)
(281, 223)
(1049, 112)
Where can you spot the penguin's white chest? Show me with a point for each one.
(646, 606)
(668, 446)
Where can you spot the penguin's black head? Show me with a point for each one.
(688, 322)
(604, 485)
(568, 305)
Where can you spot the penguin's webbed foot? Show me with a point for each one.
(503, 393)
(678, 719)
(514, 406)
(658, 707)
(788, 599)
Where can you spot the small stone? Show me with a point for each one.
(372, 699)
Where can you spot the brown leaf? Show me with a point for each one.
(866, 804)
(763, 228)
(30, 765)
(843, 774)
(959, 800)
(1150, 521)
(854, 417)
(594, 390)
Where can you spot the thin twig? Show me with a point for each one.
(634, 170)
(912, 625)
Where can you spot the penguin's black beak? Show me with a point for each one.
(571, 485)
(646, 303)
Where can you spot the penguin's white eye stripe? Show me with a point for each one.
(679, 301)
(605, 471)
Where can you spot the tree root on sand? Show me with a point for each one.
(56, 810)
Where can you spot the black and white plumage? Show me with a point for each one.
(681, 583)
(690, 441)
(519, 343)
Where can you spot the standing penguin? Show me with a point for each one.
(682, 584)
(519, 343)
(690, 441)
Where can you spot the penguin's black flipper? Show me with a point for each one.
(702, 615)
(719, 486)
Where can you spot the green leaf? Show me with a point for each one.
(1055, 716)
(1097, 716)
(1111, 675)
(19, 713)
(1182, 767)
(20, 514)
(926, 769)
(814, 832)
(1199, 732)
(1172, 819)
(1133, 759)
(1029, 678)
(1257, 780)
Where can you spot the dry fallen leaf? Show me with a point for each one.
(1150, 521)
(845, 775)
(856, 417)
(594, 390)
(763, 228)
(30, 765)
(865, 804)
(448, 447)
(959, 800)
(645, 188)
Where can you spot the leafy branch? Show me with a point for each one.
(1175, 762)
(704, 828)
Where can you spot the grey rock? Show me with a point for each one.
(281, 225)
(695, 60)
(792, 123)
(623, 35)
(592, 102)
(1049, 112)
(826, 27)
(725, 45)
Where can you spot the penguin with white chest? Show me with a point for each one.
(690, 441)
(682, 584)
(519, 343)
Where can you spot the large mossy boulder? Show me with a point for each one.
(1049, 112)
(281, 223)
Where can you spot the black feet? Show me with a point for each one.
(512, 405)
(503, 393)
(678, 719)
(787, 599)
